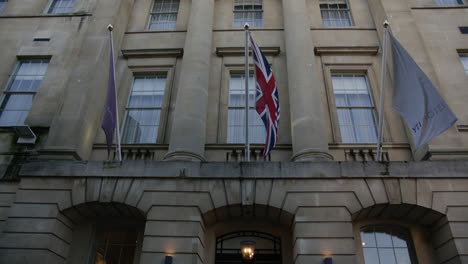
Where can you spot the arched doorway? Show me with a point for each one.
(268, 227)
(105, 233)
(403, 233)
(267, 248)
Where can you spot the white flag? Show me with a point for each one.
(417, 100)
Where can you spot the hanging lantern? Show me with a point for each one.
(248, 250)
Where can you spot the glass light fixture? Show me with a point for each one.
(248, 250)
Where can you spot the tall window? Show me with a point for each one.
(164, 15)
(236, 112)
(464, 61)
(18, 97)
(387, 245)
(61, 6)
(355, 108)
(449, 2)
(335, 13)
(2, 5)
(144, 109)
(248, 11)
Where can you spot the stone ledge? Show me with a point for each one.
(440, 7)
(371, 50)
(249, 170)
(78, 14)
(239, 51)
(152, 53)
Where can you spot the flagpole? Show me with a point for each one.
(118, 148)
(247, 75)
(382, 91)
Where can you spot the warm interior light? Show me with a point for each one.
(248, 250)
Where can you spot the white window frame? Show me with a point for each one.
(240, 23)
(153, 13)
(50, 7)
(449, 2)
(339, 10)
(255, 125)
(163, 108)
(7, 91)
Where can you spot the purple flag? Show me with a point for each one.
(109, 121)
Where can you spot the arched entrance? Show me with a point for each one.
(404, 233)
(267, 248)
(269, 228)
(105, 233)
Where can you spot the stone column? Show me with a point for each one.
(187, 138)
(309, 138)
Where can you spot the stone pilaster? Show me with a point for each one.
(307, 119)
(173, 231)
(73, 129)
(187, 138)
(321, 232)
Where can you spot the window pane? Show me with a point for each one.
(391, 245)
(141, 126)
(386, 256)
(371, 256)
(11, 118)
(144, 109)
(17, 102)
(236, 112)
(368, 239)
(464, 60)
(399, 241)
(335, 13)
(147, 92)
(449, 2)
(356, 112)
(364, 125)
(2, 5)
(351, 90)
(61, 6)
(116, 246)
(27, 78)
(402, 256)
(248, 11)
(164, 15)
(383, 239)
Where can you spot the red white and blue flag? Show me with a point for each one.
(267, 100)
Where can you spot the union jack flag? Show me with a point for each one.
(266, 98)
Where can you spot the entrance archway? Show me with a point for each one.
(267, 248)
(268, 227)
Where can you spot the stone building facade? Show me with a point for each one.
(182, 193)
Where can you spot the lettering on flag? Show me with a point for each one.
(417, 99)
